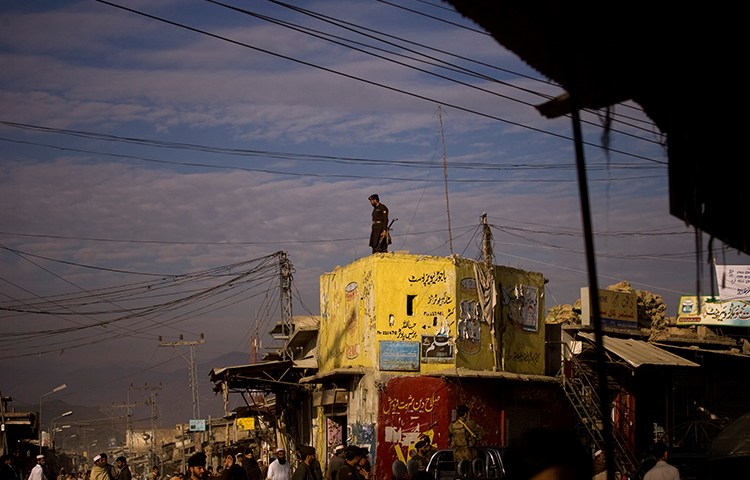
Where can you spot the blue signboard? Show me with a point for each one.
(401, 356)
(197, 425)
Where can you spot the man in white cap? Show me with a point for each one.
(37, 473)
(101, 469)
(337, 460)
(279, 469)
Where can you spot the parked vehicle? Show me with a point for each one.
(487, 466)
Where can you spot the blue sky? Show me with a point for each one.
(134, 147)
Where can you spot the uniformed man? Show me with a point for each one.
(464, 434)
(379, 236)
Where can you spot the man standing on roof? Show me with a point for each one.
(379, 236)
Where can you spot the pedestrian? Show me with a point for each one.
(7, 471)
(363, 465)
(547, 453)
(305, 467)
(122, 469)
(380, 237)
(464, 434)
(37, 473)
(335, 463)
(197, 466)
(250, 464)
(600, 466)
(418, 462)
(232, 471)
(263, 469)
(101, 469)
(154, 473)
(279, 469)
(662, 470)
(348, 471)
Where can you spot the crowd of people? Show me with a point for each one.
(554, 454)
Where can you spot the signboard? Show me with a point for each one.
(733, 281)
(197, 425)
(401, 356)
(246, 423)
(726, 313)
(436, 349)
(618, 309)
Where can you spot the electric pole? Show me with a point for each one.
(193, 371)
(154, 414)
(285, 296)
(128, 420)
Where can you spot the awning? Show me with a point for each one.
(255, 375)
(488, 374)
(638, 353)
(336, 372)
(695, 349)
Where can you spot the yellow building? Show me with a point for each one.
(416, 313)
(404, 339)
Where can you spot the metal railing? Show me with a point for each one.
(582, 394)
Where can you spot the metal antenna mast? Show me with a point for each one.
(193, 371)
(445, 174)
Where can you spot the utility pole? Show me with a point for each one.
(488, 305)
(128, 421)
(154, 415)
(285, 296)
(193, 372)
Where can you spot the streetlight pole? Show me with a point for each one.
(52, 425)
(54, 390)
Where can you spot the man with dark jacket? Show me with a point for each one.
(250, 464)
(305, 468)
(348, 471)
(335, 463)
(379, 235)
(121, 470)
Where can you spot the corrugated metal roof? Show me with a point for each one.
(638, 353)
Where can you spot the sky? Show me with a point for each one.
(155, 158)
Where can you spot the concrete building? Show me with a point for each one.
(404, 339)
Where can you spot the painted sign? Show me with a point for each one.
(400, 356)
(728, 313)
(618, 309)
(246, 423)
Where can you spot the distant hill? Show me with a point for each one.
(100, 393)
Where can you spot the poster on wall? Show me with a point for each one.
(733, 281)
(436, 349)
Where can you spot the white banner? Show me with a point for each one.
(733, 281)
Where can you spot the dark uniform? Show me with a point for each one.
(379, 238)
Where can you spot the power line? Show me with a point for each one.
(360, 79)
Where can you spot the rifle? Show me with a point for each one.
(385, 235)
